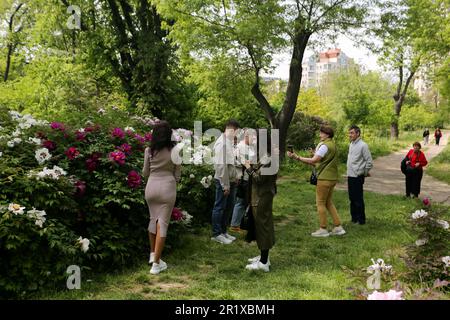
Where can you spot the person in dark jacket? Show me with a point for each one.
(426, 136)
(262, 189)
(437, 135)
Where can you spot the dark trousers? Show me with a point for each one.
(413, 180)
(437, 140)
(223, 207)
(356, 196)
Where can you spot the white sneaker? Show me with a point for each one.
(256, 259)
(221, 239)
(258, 266)
(152, 258)
(158, 267)
(229, 237)
(338, 231)
(321, 233)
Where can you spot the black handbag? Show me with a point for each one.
(406, 168)
(313, 177)
(245, 223)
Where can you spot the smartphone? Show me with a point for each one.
(290, 148)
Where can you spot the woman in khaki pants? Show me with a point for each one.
(326, 162)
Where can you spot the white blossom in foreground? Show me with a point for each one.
(35, 141)
(84, 242)
(446, 260)
(419, 214)
(187, 218)
(16, 208)
(443, 223)
(42, 155)
(379, 265)
(421, 242)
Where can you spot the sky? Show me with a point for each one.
(361, 56)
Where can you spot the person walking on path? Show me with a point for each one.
(262, 190)
(413, 176)
(359, 163)
(326, 162)
(437, 135)
(225, 178)
(426, 136)
(160, 191)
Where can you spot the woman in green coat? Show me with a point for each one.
(262, 189)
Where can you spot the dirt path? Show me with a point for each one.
(386, 177)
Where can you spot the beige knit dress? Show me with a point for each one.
(161, 188)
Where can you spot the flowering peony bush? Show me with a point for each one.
(85, 179)
(426, 256)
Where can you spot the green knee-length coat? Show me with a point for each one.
(262, 189)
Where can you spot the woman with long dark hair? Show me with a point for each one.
(160, 191)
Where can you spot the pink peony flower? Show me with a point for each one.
(118, 157)
(80, 136)
(134, 179)
(93, 161)
(426, 202)
(139, 138)
(50, 145)
(80, 188)
(148, 136)
(118, 133)
(390, 295)
(57, 126)
(125, 148)
(72, 153)
(177, 214)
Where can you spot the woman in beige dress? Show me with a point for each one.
(160, 192)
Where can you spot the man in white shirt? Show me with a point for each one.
(359, 163)
(225, 178)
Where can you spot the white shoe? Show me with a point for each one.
(152, 258)
(158, 267)
(256, 259)
(258, 266)
(338, 231)
(321, 233)
(229, 237)
(221, 239)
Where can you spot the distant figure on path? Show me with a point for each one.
(426, 136)
(437, 135)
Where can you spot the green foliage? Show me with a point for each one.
(303, 131)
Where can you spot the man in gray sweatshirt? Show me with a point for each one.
(359, 163)
(225, 178)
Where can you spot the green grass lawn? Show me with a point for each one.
(439, 166)
(302, 267)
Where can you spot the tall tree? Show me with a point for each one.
(408, 32)
(252, 31)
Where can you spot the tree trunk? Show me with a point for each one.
(394, 124)
(8, 62)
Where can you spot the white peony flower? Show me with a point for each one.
(187, 218)
(1, 153)
(446, 260)
(101, 111)
(443, 223)
(206, 182)
(16, 208)
(10, 144)
(17, 140)
(192, 176)
(84, 242)
(42, 155)
(36, 141)
(39, 215)
(81, 130)
(14, 115)
(421, 242)
(24, 125)
(419, 214)
(129, 129)
(57, 172)
(16, 133)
